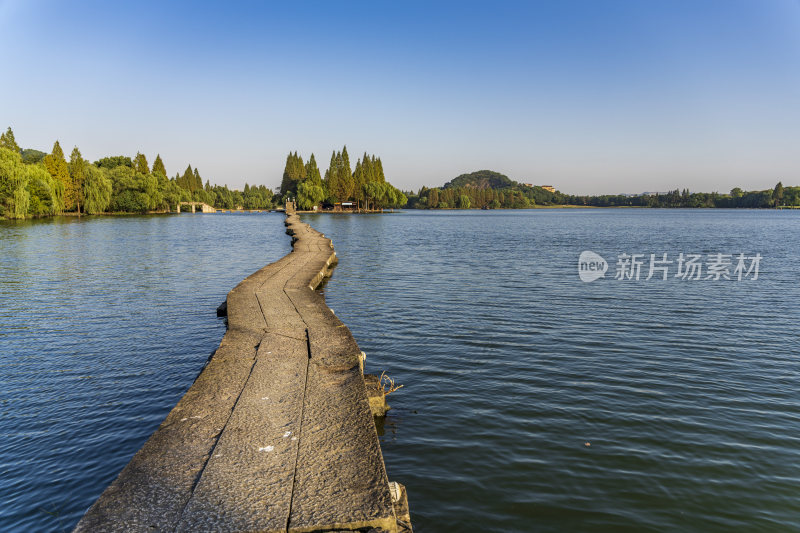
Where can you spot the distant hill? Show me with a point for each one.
(482, 179)
(30, 156)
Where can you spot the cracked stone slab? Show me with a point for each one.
(341, 481)
(248, 481)
(152, 490)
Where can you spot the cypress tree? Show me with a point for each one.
(287, 171)
(312, 172)
(293, 173)
(7, 140)
(332, 177)
(187, 180)
(358, 184)
(77, 174)
(345, 176)
(369, 170)
(140, 164)
(379, 171)
(158, 165)
(57, 167)
(198, 183)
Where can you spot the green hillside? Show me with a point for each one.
(482, 179)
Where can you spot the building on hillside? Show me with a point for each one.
(549, 188)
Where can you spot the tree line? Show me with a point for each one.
(36, 184)
(471, 197)
(779, 196)
(521, 196)
(365, 186)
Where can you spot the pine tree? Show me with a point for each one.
(57, 167)
(158, 165)
(7, 140)
(77, 174)
(140, 164)
(198, 182)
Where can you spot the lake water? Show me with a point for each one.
(688, 391)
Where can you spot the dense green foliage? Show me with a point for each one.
(8, 141)
(482, 179)
(35, 184)
(293, 174)
(114, 162)
(491, 190)
(366, 186)
(466, 197)
(780, 196)
(31, 156)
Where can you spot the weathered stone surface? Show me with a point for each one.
(247, 483)
(340, 481)
(152, 490)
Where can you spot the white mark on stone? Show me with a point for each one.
(197, 417)
(218, 455)
(294, 438)
(266, 449)
(287, 434)
(265, 398)
(184, 419)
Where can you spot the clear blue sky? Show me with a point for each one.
(591, 96)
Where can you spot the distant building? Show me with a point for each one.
(549, 188)
(344, 206)
(528, 184)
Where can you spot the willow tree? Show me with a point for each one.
(42, 189)
(14, 195)
(96, 190)
(309, 194)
